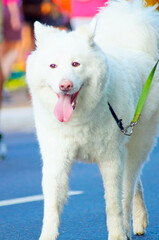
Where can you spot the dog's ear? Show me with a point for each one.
(41, 31)
(93, 26)
(89, 31)
(85, 30)
(38, 30)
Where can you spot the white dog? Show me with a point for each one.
(83, 70)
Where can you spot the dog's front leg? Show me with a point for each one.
(55, 189)
(111, 171)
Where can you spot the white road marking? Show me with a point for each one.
(31, 199)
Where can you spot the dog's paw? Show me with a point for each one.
(140, 222)
(46, 236)
(116, 236)
(128, 230)
(128, 234)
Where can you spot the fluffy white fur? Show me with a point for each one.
(113, 67)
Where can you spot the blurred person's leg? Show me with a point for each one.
(1, 83)
(3, 150)
(1, 78)
(27, 43)
(11, 23)
(9, 56)
(11, 37)
(2, 145)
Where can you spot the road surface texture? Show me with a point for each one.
(83, 217)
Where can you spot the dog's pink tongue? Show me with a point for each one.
(63, 109)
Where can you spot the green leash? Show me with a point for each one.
(143, 95)
(129, 129)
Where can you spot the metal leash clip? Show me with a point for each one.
(129, 129)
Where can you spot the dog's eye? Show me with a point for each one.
(75, 64)
(53, 65)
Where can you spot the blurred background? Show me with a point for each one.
(20, 172)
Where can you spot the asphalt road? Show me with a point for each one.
(83, 217)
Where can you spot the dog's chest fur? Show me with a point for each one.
(89, 142)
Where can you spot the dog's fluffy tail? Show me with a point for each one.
(129, 24)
